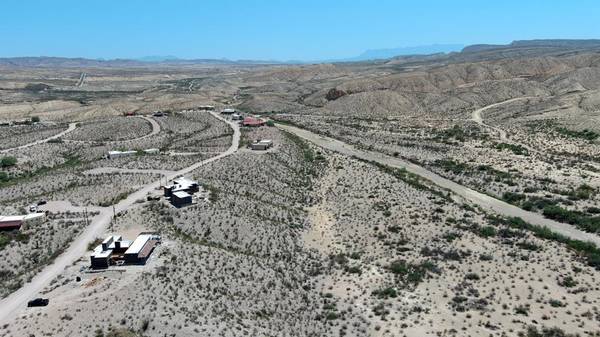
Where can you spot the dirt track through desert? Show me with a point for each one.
(484, 201)
(72, 126)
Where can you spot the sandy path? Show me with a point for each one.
(484, 201)
(16, 302)
(103, 170)
(72, 126)
(478, 118)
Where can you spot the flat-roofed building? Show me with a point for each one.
(141, 248)
(119, 154)
(262, 145)
(9, 223)
(181, 198)
(110, 247)
(100, 259)
(181, 184)
(114, 248)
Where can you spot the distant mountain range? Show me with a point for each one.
(378, 54)
(454, 52)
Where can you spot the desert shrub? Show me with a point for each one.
(529, 246)
(513, 198)
(486, 257)
(385, 293)
(412, 274)
(593, 210)
(353, 270)
(579, 219)
(522, 310)
(472, 277)
(516, 149)
(584, 134)
(4, 240)
(567, 282)
(533, 331)
(8, 161)
(487, 231)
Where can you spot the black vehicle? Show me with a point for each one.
(41, 202)
(38, 302)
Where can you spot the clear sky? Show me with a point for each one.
(278, 30)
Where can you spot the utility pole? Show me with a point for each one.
(114, 218)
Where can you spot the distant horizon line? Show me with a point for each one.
(367, 55)
(396, 51)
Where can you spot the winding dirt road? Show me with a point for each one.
(484, 201)
(155, 127)
(72, 126)
(478, 118)
(155, 130)
(13, 304)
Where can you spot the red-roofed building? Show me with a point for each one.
(252, 121)
(9, 223)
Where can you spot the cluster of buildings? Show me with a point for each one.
(116, 251)
(119, 154)
(16, 222)
(180, 191)
(245, 121)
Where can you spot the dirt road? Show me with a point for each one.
(484, 201)
(155, 130)
(81, 80)
(72, 126)
(13, 304)
(478, 118)
(109, 170)
(155, 127)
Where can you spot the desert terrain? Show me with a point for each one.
(444, 195)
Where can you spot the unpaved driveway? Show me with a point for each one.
(16, 302)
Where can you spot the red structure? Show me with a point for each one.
(251, 121)
(10, 223)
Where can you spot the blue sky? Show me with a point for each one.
(277, 30)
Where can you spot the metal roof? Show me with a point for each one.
(138, 244)
(12, 218)
(181, 194)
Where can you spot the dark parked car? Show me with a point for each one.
(42, 202)
(38, 302)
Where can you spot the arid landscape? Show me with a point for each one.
(451, 194)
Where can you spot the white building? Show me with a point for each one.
(119, 154)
